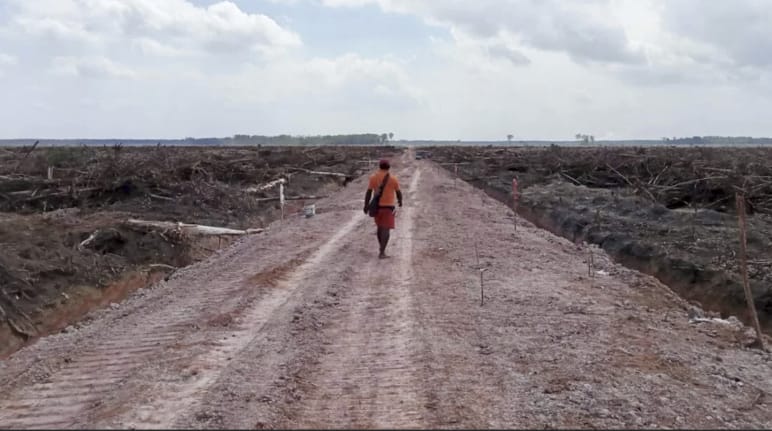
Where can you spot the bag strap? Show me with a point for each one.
(379, 195)
(383, 184)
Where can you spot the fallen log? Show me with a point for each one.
(194, 229)
(620, 174)
(244, 160)
(17, 177)
(686, 183)
(99, 238)
(291, 198)
(88, 240)
(265, 186)
(574, 180)
(163, 198)
(163, 266)
(331, 174)
(312, 149)
(61, 191)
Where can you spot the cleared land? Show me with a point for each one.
(302, 326)
(666, 211)
(66, 244)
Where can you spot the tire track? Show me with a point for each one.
(372, 377)
(174, 399)
(96, 373)
(87, 388)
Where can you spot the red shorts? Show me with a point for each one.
(385, 218)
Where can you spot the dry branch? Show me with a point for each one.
(163, 198)
(32, 195)
(618, 173)
(195, 229)
(265, 186)
(574, 180)
(162, 265)
(331, 174)
(291, 198)
(686, 183)
(16, 168)
(88, 240)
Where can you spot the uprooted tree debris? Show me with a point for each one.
(203, 178)
(675, 177)
(77, 217)
(668, 211)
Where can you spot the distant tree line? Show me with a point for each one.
(717, 140)
(585, 139)
(362, 139)
(289, 140)
(382, 139)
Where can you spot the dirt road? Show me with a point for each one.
(304, 327)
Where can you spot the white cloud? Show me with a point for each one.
(348, 81)
(580, 29)
(507, 52)
(479, 69)
(7, 60)
(90, 67)
(648, 42)
(344, 3)
(53, 29)
(176, 25)
(740, 29)
(153, 47)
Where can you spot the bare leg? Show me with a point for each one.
(379, 234)
(383, 240)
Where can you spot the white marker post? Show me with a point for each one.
(281, 198)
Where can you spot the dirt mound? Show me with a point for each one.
(64, 237)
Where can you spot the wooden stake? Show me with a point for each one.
(482, 290)
(515, 199)
(740, 202)
(590, 263)
(479, 268)
(514, 215)
(694, 213)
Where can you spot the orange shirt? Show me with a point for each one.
(389, 197)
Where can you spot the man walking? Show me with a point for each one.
(382, 194)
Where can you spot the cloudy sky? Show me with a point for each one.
(422, 69)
